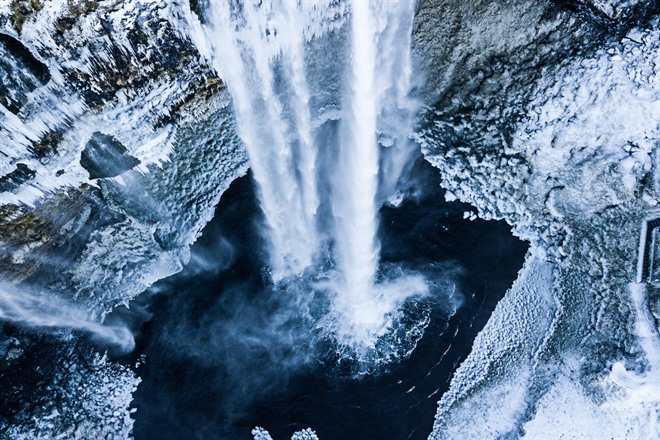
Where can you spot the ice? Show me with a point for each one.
(306, 434)
(159, 118)
(577, 181)
(89, 397)
(518, 325)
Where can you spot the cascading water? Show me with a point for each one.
(306, 171)
(280, 147)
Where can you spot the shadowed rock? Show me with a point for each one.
(20, 73)
(105, 156)
(13, 180)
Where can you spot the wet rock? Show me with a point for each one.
(47, 145)
(20, 73)
(13, 353)
(198, 7)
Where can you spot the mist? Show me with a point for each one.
(43, 311)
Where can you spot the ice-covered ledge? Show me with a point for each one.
(129, 73)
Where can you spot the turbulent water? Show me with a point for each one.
(227, 350)
(326, 142)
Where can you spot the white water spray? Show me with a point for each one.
(248, 45)
(43, 310)
(354, 204)
(261, 51)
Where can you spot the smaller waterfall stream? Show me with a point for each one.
(263, 51)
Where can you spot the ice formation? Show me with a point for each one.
(574, 173)
(306, 434)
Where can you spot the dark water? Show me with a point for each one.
(225, 352)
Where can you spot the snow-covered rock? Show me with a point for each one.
(82, 71)
(551, 122)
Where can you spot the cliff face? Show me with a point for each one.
(107, 109)
(546, 115)
(116, 143)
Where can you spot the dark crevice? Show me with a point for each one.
(20, 73)
(640, 15)
(198, 7)
(23, 54)
(13, 180)
(105, 156)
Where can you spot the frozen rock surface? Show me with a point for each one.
(551, 122)
(116, 143)
(306, 434)
(140, 134)
(73, 394)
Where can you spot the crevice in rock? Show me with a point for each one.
(13, 180)
(22, 53)
(20, 73)
(105, 156)
(198, 7)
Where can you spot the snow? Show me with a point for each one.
(55, 106)
(88, 398)
(584, 365)
(123, 259)
(149, 234)
(632, 407)
(567, 412)
(261, 434)
(518, 324)
(306, 434)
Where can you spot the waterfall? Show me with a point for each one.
(293, 69)
(43, 310)
(355, 199)
(282, 153)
